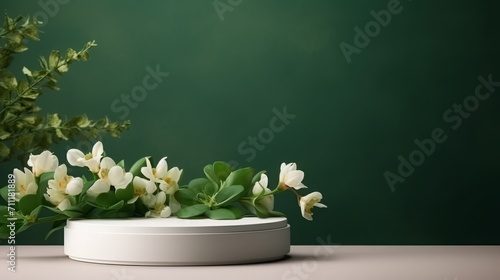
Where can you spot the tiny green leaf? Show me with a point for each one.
(54, 59)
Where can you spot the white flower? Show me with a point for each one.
(61, 186)
(57, 198)
(159, 209)
(291, 177)
(142, 187)
(25, 183)
(307, 202)
(110, 174)
(114, 174)
(91, 160)
(44, 162)
(260, 189)
(65, 183)
(168, 179)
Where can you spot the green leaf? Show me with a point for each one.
(71, 54)
(53, 120)
(28, 203)
(86, 187)
(57, 225)
(127, 210)
(4, 150)
(203, 185)
(4, 134)
(136, 167)
(229, 195)
(72, 199)
(54, 58)
(106, 200)
(276, 214)
(43, 184)
(43, 63)
(186, 197)
(241, 177)
(76, 213)
(121, 163)
(210, 173)
(36, 211)
(117, 206)
(222, 170)
(4, 192)
(261, 211)
(125, 194)
(4, 232)
(258, 210)
(192, 211)
(228, 213)
(210, 188)
(197, 184)
(4, 214)
(24, 141)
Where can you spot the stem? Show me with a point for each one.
(31, 86)
(51, 219)
(66, 61)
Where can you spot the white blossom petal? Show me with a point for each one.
(147, 171)
(73, 155)
(97, 150)
(261, 185)
(64, 204)
(307, 202)
(99, 186)
(166, 212)
(162, 168)
(75, 186)
(291, 177)
(44, 162)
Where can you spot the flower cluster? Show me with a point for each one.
(145, 191)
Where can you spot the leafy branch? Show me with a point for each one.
(23, 130)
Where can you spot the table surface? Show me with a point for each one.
(303, 262)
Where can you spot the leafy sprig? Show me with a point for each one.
(23, 129)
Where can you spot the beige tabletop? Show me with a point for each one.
(303, 262)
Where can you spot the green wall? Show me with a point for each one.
(230, 71)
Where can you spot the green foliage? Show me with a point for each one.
(217, 195)
(23, 129)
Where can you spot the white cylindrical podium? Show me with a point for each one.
(173, 241)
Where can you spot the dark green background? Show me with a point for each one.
(352, 119)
